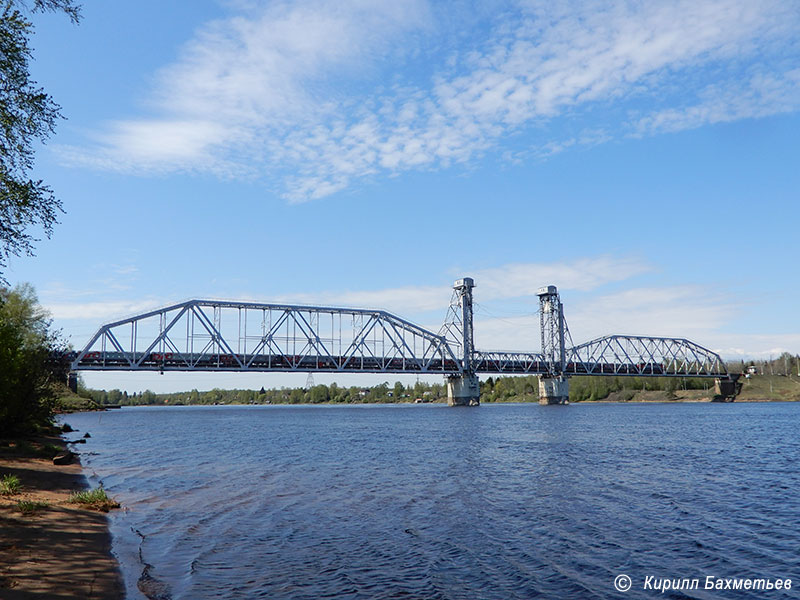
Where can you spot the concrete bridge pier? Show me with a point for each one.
(463, 390)
(553, 390)
(726, 389)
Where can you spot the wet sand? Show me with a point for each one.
(62, 551)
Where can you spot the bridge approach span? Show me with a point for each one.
(209, 335)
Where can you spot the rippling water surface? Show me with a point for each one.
(425, 501)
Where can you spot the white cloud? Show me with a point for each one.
(763, 94)
(679, 311)
(243, 82)
(755, 346)
(512, 334)
(498, 283)
(98, 311)
(401, 301)
(306, 91)
(524, 279)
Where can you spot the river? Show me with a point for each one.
(426, 501)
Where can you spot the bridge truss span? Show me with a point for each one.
(510, 362)
(643, 356)
(207, 335)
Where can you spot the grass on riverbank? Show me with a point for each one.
(10, 485)
(31, 507)
(770, 388)
(69, 402)
(96, 499)
(50, 548)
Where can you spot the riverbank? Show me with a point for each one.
(510, 389)
(49, 548)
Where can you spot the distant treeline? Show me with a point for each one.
(317, 394)
(581, 389)
(493, 389)
(785, 364)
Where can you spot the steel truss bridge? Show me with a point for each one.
(208, 335)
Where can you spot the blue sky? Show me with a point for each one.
(643, 157)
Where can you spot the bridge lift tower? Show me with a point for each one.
(463, 389)
(553, 386)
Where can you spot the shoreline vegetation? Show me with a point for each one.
(51, 546)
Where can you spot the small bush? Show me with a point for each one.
(10, 485)
(31, 507)
(96, 499)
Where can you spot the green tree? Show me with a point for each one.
(378, 393)
(319, 393)
(530, 389)
(502, 388)
(29, 363)
(27, 115)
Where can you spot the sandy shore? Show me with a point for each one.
(62, 551)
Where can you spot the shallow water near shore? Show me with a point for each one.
(425, 501)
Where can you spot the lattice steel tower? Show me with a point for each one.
(463, 389)
(551, 319)
(553, 387)
(457, 328)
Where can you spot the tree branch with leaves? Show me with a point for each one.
(27, 115)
